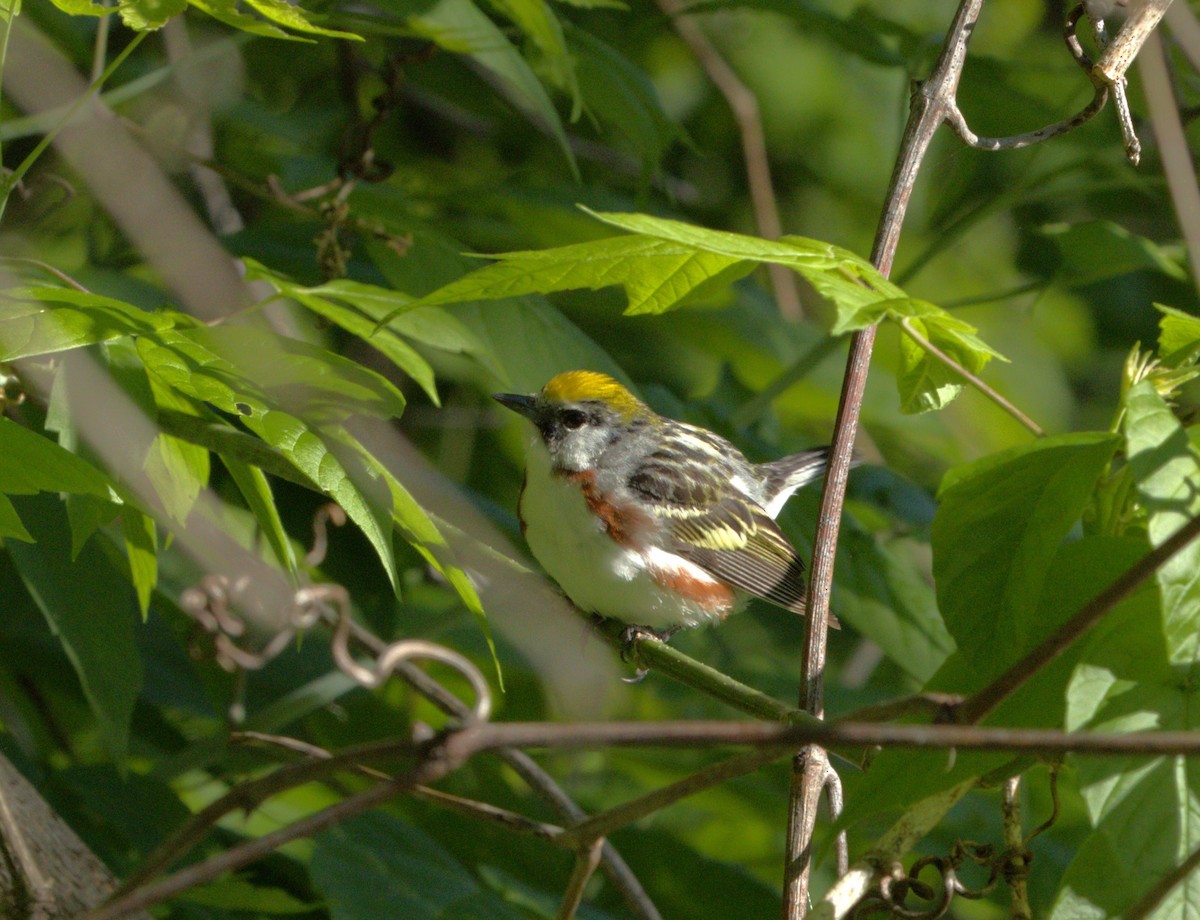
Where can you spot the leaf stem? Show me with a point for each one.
(975, 381)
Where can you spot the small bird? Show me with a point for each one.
(650, 521)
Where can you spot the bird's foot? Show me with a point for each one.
(631, 636)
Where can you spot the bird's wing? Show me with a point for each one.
(724, 533)
(738, 542)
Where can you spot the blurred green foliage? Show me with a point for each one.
(356, 158)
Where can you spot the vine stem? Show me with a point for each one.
(932, 102)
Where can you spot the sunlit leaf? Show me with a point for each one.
(256, 490)
(191, 368)
(41, 320)
(291, 16)
(661, 263)
(1166, 474)
(144, 15)
(141, 549)
(1178, 336)
(82, 7)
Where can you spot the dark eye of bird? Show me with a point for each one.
(573, 418)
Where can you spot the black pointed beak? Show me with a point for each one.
(523, 405)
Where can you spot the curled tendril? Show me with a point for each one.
(210, 604)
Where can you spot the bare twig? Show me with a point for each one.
(978, 707)
(606, 822)
(448, 752)
(252, 850)
(586, 862)
(930, 105)
(744, 105)
(907, 328)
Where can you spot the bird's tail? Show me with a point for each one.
(786, 475)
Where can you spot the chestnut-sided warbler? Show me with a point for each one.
(648, 520)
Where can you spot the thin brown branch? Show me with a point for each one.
(451, 751)
(930, 705)
(744, 105)
(974, 380)
(585, 867)
(605, 822)
(471, 808)
(978, 707)
(251, 850)
(930, 106)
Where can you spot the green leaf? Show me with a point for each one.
(246, 371)
(41, 320)
(1167, 480)
(525, 339)
(182, 362)
(291, 16)
(999, 524)
(82, 7)
(177, 470)
(423, 535)
(1126, 682)
(881, 594)
(358, 308)
(462, 28)
(232, 893)
(87, 606)
(376, 865)
(10, 522)
(32, 463)
(256, 490)
(226, 11)
(622, 97)
(146, 15)
(662, 263)
(1098, 250)
(1178, 336)
(141, 548)
(537, 20)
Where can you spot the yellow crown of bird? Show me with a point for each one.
(574, 386)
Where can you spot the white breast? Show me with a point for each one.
(597, 573)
